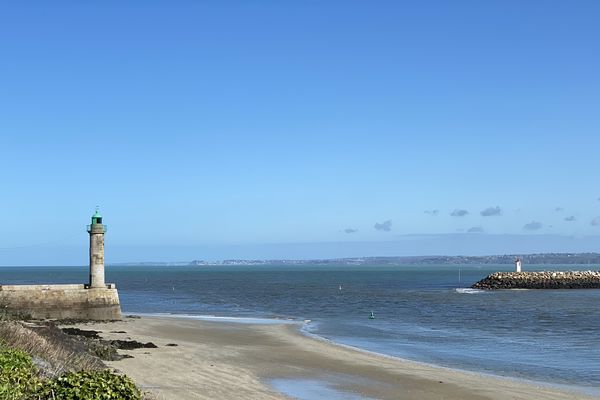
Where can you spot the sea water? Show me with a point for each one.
(422, 313)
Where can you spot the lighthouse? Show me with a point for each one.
(94, 301)
(97, 231)
(518, 264)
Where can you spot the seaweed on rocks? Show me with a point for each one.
(80, 332)
(132, 345)
(106, 349)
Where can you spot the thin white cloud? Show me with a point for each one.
(475, 229)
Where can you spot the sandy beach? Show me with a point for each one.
(226, 360)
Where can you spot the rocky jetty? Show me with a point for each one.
(541, 280)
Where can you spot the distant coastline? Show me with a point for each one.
(538, 258)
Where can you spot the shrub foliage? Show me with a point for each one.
(18, 375)
(93, 385)
(19, 381)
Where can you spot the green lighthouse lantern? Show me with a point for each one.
(96, 226)
(96, 218)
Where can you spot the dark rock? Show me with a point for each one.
(80, 332)
(132, 345)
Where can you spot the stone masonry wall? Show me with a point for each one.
(61, 301)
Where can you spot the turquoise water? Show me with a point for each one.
(421, 312)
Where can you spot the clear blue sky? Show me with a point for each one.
(290, 129)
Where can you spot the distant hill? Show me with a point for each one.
(593, 259)
(544, 258)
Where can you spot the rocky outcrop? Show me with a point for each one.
(541, 280)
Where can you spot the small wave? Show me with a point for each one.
(240, 320)
(469, 291)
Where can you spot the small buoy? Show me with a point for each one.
(340, 288)
(372, 316)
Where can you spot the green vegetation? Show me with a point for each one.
(18, 375)
(46, 342)
(92, 385)
(20, 379)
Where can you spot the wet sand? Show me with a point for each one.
(225, 360)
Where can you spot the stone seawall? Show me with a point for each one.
(61, 301)
(541, 280)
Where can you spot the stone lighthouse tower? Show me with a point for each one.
(97, 231)
(97, 301)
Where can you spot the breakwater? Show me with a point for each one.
(61, 301)
(541, 280)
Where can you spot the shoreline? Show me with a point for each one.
(573, 388)
(303, 324)
(218, 359)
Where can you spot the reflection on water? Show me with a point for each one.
(313, 389)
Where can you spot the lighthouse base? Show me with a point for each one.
(61, 302)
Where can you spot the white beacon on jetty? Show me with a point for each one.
(517, 264)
